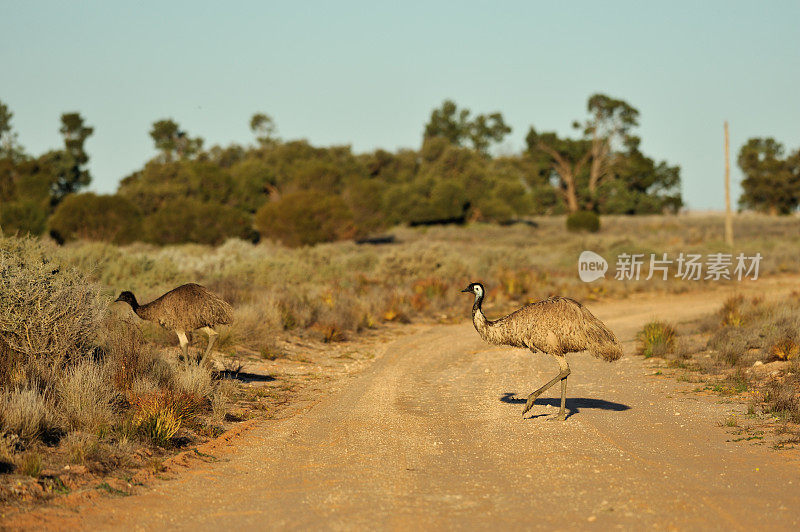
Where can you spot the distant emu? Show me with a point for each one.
(186, 308)
(555, 326)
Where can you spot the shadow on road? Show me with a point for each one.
(244, 376)
(573, 404)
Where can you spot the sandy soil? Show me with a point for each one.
(430, 436)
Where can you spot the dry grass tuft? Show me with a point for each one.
(25, 412)
(785, 349)
(257, 324)
(731, 311)
(330, 332)
(656, 338)
(8, 449)
(127, 354)
(193, 380)
(30, 464)
(87, 397)
(223, 393)
(81, 447)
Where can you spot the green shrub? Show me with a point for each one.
(583, 221)
(305, 218)
(23, 217)
(92, 217)
(188, 220)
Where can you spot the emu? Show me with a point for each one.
(555, 326)
(186, 308)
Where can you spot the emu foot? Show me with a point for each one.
(529, 403)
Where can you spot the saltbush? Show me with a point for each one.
(48, 312)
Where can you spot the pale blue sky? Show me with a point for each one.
(368, 73)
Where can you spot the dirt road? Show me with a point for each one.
(430, 436)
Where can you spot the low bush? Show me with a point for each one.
(753, 330)
(23, 217)
(49, 312)
(188, 220)
(581, 221)
(90, 216)
(305, 218)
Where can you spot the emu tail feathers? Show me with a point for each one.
(216, 310)
(602, 342)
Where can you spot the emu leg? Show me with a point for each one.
(561, 413)
(562, 364)
(212, 337)
(184, 346)
(562, 376)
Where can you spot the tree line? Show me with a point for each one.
(292, 191)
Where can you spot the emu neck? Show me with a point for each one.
(134, 304)
(491, 331)
(476, 306)
(478, 318)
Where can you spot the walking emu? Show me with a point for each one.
(186, 308)
(555, 326)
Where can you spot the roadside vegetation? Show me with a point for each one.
(750, 348)
(760, 340)
(79, 385)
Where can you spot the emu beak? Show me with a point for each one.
(118, 299)
(467, 290)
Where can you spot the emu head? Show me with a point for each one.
(475, 288)
(128, 298)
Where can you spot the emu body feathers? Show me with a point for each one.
(556, 325)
